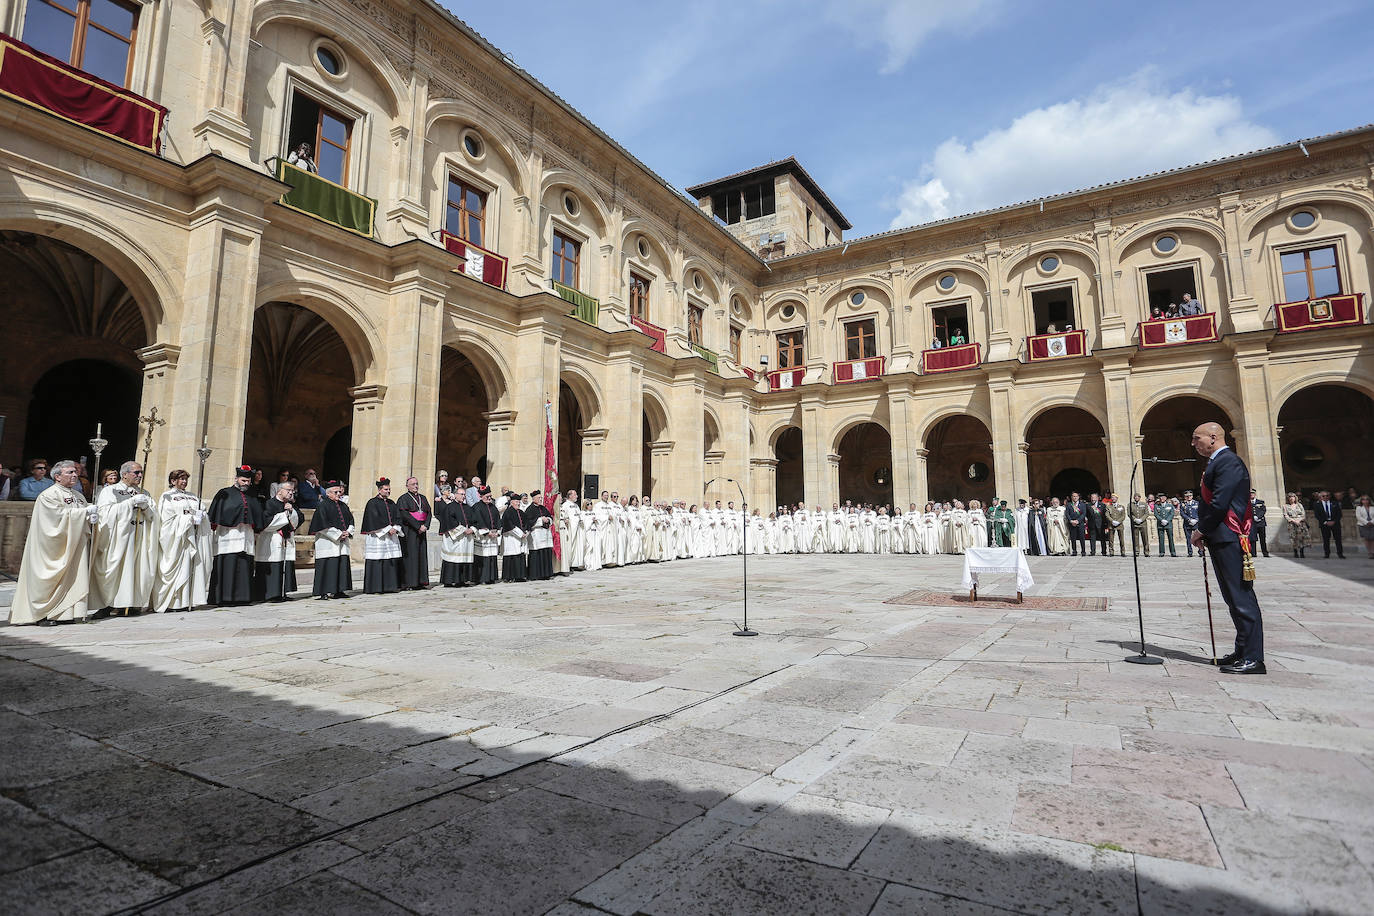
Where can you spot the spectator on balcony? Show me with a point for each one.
(936, 343)
(5, 475)
(37, 481)
(1051, 328)
(309, 492)
(957, 339)
(300, 158)
(1190, 306)
(1156, 313)
(283, 479)
(1171, 311)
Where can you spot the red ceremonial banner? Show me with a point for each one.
(551, 478)
(859, 370)
(1333, 311)
(1057, 346)
(493, 266)
(36, 78)
(951, 359)
(1170, 332)
(660, 336)
(785, 379)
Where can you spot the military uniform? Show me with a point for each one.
(1164, 521)
(1140, 534)
(1116, 521)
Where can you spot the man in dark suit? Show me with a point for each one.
(1097, 524)
(1259, 539)
(1224, 517)
(1075, 513)
(1328, 513)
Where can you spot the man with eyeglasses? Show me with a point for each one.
(124, 558)
(37, 481)
(54, 576)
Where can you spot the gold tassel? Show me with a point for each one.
(1248, 568)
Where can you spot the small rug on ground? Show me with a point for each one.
(926, 598)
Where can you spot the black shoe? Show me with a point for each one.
(45, 622)
(1245, 667)
(1229, 659)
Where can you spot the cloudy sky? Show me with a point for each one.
(911, 110)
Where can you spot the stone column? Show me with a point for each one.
(1241, 306)
(1000, 345)
(223, 75)
(1123, 440)
(500, 445)
(1112, 332)
(763, 489)
(1020, 474)
(920, 474)
(903, 487)
(159, 372)
(660, 454)
(366, 465)
(832, 479)
(1005, 431)
(814, 449)
(594, 456)
(413, 358)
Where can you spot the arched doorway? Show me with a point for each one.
(463, 398)
(866, 465)
(1167, 432)
(298, 400)
(570, 425)
(1326, 439)
(959, 463)
(656, 447)
(338, 455)
(72, 335)
(1065, 444)
(790, 481)
(1069, 481)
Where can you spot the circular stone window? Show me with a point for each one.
(737, 307)
(697, 281)
(789, 312)
(977, 472)
(328, 59)
(571, 203)
(472, 144)
(642, 246)
(1302, 219)
(1049, 264)
(1166, 244)
(946, 282)
(857, 297)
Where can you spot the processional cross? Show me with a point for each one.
(152, 421)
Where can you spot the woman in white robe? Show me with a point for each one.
(960, 535)
(786, 538)
(760, 534)
(570, 536)
(591, 536)
(946, 528)
(868, 526)
(911, 530)
(882, 532)
(801, 530)
(820, 532)
(930, 530)
(978, 525)
(184, 556)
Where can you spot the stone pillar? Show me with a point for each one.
(763, 488)
(594, 456)
(999, 338)
(414, 351)
(366, 465)
(814, 449)
(920, 474)
(903, 487)
(159, 372)
(1123, 440)
(660, 455)
(223, 76)
(1257, 439)
(1005, 432)
(1020, 474)
(832, 479)
(500, 444)
(1241, 306)
(1112, 331)
(623, 418)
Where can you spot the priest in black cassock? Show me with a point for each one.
(276, 556)
(382, 544)
(513, 543)
(539, 523)
(235, 519)
(416, 520)
(333, 529)
(456, 533)
(483, 516)
(1037, 543)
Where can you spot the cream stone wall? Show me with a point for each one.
(198, 238)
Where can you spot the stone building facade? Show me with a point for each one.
(293, 321)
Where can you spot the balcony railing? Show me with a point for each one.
(323, 199)
(585, 308)
(660, 336)
(477, 262)
(709, 355)
(1331, 312)
(1061, 345)
(858, 370)
(74, 95)
(951, 359)
(785, 379)
(1171, 332)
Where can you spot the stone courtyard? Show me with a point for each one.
(604, 744)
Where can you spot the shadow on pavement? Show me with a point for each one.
(127, 789)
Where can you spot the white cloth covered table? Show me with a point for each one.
(996, 560)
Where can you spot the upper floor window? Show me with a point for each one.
(1310, 274)
(695, 314)
(860, 339)
(639, 297)
(95, 35)
(466, 214)
(790, 354)
(566, 255)
(736, 343)
(329, 133)
(950, 323)
(748, 202)
(1053, 309)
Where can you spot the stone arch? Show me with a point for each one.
(948, 463)
(1223, 403)
(135, 266)
(1325, 435)
(1315, 196)
(852, 421)
(710, 289)
(1061, 439)
(773, 306)
(935, 419)
(496, 137)
(864, 474)
(711, 428)
(1159, 438)
(1097, 411)
(850, 284)
(342, 314)
(1154, 227)
(656, 410)
(587, 193)
(948, 265)
(491, 366)
(635, 226)
(1362, 382)
(346, 32)
(1049, 246)
(584, 387)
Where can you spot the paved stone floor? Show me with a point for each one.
(603, 744)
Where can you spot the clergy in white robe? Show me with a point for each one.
(882, 532)
(276, 551)
(759, 540)
(54, 575)
(978, 525)
(570, 534)
(184, 557)
(786, 539)
(1020, 541)
(911, 530)
(381, 542)
(635, 534)
(1057, 529)
(930, 530)
(333, 528)
(960, 529)
(124, 557)
(235, 520)
(486, 522)
(608, 529)
(456, 539)
(820, 531)
(591, 536)
(868, 531)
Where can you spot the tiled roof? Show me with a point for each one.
(790, 164)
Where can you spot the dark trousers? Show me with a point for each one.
(1077, 542)
(1139, 537)
(1188, 537)
(1329, 532)
(1166, 531)
(1097, 536)
(1259, 540)
(1239, 596)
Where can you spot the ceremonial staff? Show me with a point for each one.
(1207, 586)
(743, 630)
(97, 446)
(203, 453)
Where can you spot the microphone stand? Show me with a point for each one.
(743, 630)
(1142, 658)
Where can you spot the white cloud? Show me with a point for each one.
(900, 27)
(1118, 131)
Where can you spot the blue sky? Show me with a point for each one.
(911, 110)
